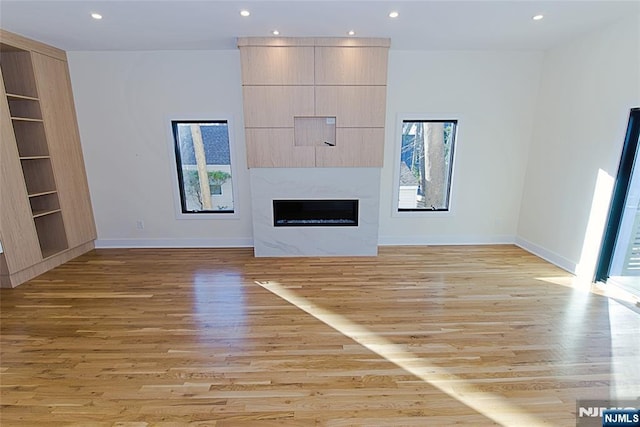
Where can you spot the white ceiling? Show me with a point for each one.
(215, 24)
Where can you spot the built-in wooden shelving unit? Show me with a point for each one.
(28, 126)
(45, 215)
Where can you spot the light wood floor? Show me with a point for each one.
(418, 336)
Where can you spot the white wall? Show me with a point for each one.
(587, 89)
(124, 102)
(493, 94)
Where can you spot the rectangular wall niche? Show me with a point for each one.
(315, 213)
(316, 131)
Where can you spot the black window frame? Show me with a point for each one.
(179, 165)
(450, 169)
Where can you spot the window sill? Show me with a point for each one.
(208, 216)
(421, 214)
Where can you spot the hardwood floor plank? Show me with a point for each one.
(473, 335)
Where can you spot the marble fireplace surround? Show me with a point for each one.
(268, 184)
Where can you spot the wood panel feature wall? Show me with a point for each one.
(45, 215)
(278, 65)
(364, 145)
(353, 106)
(285, 78)
(336, 64)
(272, 148)
(273, 107)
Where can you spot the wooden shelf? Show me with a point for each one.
(48, 252)
(38, 176)
(17, 72)
(26, 119)
(33, 157)
(37, 214)
(51, 234)
(30, 138)
(16, 96)
(43, 204)
(42, 193)
(24, 108)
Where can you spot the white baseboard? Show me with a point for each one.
(445, 240)
(528, 246)
(248, 242)
(547, 255)
(174, 243)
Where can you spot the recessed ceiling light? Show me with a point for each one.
(393, 14)
(245, 12)
(352, 33)
(538, 17)
(275, 32)
(96, 16)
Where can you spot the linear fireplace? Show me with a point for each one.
(315, 213)
(350, 185)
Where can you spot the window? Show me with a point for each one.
(426, 165)
(204, 166)
(216, 189)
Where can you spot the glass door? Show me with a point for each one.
(619, 261)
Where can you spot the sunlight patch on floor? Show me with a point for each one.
(616, 293)
(625, 285)
(624, 367)
(622, 327)
(490, 405)
(589, 287)
(573, 282)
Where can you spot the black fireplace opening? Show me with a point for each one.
(315, 213)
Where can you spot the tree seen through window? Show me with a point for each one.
(426, 163)
(204, 166)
